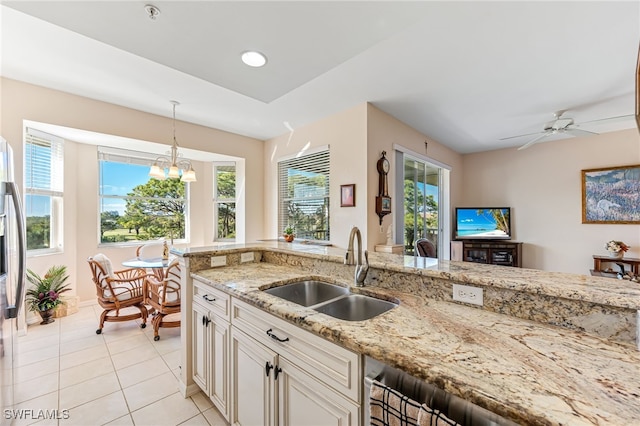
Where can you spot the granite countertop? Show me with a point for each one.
(600, 290)
(526, 371)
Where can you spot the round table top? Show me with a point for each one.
(151, 262)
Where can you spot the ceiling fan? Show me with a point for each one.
(559, 125)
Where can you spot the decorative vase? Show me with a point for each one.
(288, 237)
(47, 316)
(616, 254)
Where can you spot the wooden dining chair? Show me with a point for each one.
(164, 296)
(117, 290)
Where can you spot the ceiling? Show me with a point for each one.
(466, 74)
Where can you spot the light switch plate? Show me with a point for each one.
(218, 261)
(467, 294)
(246, 257)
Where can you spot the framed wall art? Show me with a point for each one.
(348, 195)
(611, 195)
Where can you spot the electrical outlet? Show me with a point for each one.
(467, 294)
(246, 257)
(218, 261)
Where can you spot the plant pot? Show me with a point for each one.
(616, 254)
(288, 238)
(47, 316)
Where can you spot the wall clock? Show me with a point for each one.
(383, 201)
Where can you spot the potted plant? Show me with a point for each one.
(616, 248)
(44, 296)
(288, 234)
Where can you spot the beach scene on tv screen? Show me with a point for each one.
(483, 223)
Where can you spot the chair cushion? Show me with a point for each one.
(123, 291)
(105, 264)
(173, 282)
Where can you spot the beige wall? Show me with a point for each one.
(543, 186)
(383, 131)
(356, 137)
(21, 101)
(345, 133)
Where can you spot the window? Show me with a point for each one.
(134, 207)
(44, 171)
(224, 201)
(304, 195)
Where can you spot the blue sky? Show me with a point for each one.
(120, 179)
(116, 179)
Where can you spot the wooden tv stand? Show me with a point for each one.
(493, 252)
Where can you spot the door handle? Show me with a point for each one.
(12, 310)
(277, 371)
(206, 297)
(267, 368)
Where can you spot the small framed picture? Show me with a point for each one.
(348, 195)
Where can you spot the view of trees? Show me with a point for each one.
(420, 214)
(226, 190)
(308, 205)
(154, 210)
(38, 232)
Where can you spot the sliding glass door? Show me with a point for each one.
(421, 187)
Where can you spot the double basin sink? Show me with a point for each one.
(331, 299)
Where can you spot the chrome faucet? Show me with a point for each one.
(350, 258)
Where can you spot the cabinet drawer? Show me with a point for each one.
(333, 365)
(216, 300)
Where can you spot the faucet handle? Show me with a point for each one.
(366, 257)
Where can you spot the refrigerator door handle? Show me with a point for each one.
(12, 189)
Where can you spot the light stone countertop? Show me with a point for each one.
(526, 371)
(599, 290)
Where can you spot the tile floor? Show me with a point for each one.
(119, 377)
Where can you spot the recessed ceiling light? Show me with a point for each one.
(254, 59)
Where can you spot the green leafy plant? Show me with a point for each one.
(288, 231)
(45, 292)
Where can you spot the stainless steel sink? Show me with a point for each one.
(356, 307)
(309, 292)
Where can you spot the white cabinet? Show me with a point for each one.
(284, 375)
(253, 384)
(210, 345)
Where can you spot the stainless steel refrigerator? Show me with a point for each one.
(12, 275)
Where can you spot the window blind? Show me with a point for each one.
(44, 171)
(303, 194)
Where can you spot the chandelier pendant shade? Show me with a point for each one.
(177, 168)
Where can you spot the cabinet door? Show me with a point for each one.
(219, 349)
(253, 387)
(302, 400)
(200, 348)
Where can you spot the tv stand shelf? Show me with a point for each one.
(493, 252)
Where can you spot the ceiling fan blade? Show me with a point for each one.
(616, 118)
(519, 136)
(534, 140)
(580, 132)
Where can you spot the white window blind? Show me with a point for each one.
(303, 188)
(44, 172)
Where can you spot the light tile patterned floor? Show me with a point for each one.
(119, 377)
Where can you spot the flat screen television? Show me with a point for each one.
(481, 223)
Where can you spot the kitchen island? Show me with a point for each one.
(545, 348)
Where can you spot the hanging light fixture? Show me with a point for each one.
(176, 166)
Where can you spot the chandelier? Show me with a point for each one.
(176, 166)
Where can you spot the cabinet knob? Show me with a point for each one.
(268, 368)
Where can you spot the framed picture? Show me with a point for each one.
(348, 195)
(611, 195)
